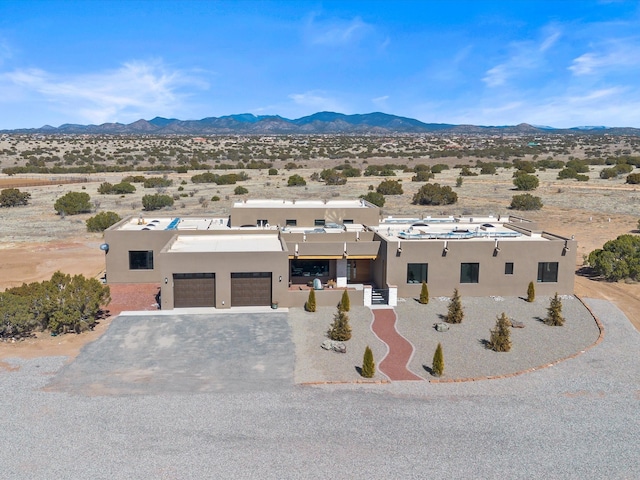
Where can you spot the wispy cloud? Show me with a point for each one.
(380, 101)
(335, 32)
(134, 90)
(524, 56)
(614, 56)
(317, 100)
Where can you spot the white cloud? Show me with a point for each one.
(525, 56)
(592, 63)
(381, 101)
(335, 32)
(317, 100)
(135, 90)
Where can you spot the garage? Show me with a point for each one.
(250, 289)
(194, 290)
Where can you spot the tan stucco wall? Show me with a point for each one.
(305, 216)
(444, 271)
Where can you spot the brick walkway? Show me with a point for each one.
(394, 365)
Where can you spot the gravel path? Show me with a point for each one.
(575, 420)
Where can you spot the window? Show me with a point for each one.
(291, 223)
(309, 268)
(469, 272)
(319, 222)
(417, 272)
(348, 221)
(141, 260)
(548, 272)
(508, 268)
(262, 223)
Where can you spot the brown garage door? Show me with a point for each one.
(250, 289)
(194, 290)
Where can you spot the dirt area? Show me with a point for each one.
(36, 242)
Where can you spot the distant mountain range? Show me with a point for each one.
(318, 123)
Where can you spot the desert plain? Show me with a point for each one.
(35, 241)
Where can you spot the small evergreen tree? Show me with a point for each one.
(554, 312)
(500, 340)
(310, 306)
(345, 303)
(340, 329)
(455, 314)
(531, 292)
(424, 294)
(368, 365)
(437, 367)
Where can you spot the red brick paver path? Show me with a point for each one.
(394, 365)
(132, 297)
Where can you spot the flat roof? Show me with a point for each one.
(473, 228)
(227, 243)
(266, 203)
(176, 223)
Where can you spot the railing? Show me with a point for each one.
(380, 296)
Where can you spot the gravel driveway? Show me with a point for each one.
(577, 419)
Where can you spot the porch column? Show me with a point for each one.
(341, 272)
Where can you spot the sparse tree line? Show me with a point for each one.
(62, 304)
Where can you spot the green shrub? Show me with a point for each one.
(500, 340)
(467, 172)
(488, 169)
(296, 180)
(215, 198)
(368, 365)
(525, 201)
(123, 188)
(105, 188)
(526, 182)
(12, 197)
(607, 173)
(156, 201)
(310, 306)
(554, 312)
(581, 177)
(73, 203)
(239, 190)
(102, 221)
(345, 302)
(617, 259)
(455, 313)
(531, 292)
(390, 187)
(340, 329)
(439, 167)
(422, 176)
(375, 198)
(459, 181)
(437, 365)
(156, 182)
(633, 178)
(424, 294)
(61, 304)
(273, 171)
(434, 194)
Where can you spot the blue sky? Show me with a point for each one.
(561, 63)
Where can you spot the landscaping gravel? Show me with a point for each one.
(577, 419)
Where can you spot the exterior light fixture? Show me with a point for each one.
(166, 280)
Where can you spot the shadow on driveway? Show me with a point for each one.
(231, 353)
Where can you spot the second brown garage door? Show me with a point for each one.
(194, 290)
(250, 289)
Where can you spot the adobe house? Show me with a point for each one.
(270, 252)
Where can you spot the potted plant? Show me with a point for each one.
(274, 305)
